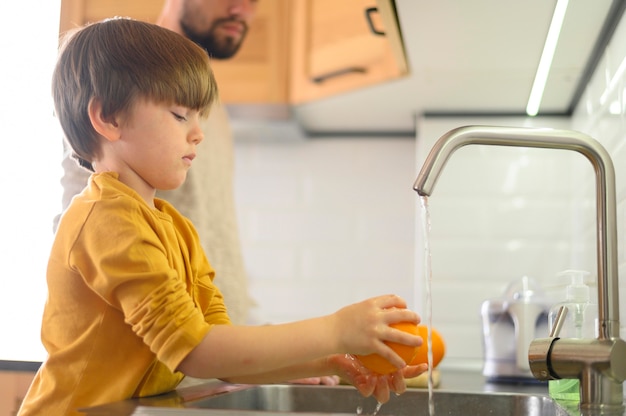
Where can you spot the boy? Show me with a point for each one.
(207, 198)
(131, 306)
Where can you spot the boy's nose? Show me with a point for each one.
(196, 135)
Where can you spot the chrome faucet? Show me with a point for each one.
(599, 364)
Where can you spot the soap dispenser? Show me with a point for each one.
(579, 322)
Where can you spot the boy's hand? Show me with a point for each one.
(363, 328)
(369, 383)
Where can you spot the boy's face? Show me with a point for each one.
(156, 146)
(218, 26)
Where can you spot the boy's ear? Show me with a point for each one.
(106, 127)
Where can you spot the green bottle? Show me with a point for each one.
(565, 390)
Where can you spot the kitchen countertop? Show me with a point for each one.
(456, 380)
(472, 381)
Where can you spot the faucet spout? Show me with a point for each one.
(606, 247)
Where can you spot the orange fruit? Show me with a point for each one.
(438, 347)
(380, 365)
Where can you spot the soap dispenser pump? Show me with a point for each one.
(579, 322)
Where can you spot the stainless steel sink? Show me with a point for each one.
(346, 400)
(461, 393)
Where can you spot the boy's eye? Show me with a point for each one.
(179, 117)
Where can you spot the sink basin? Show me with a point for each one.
(346, 400)
(224, 399)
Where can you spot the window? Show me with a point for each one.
(30, 169)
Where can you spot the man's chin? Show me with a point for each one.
(224, 52)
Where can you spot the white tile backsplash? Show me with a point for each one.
(607, 123)
(327, 222)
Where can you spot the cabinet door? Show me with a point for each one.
(13, 388)
(75, 13)
(257, 74)
(335, 49)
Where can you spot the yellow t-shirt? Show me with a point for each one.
(130, 294)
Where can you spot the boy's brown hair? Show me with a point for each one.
(119, 61)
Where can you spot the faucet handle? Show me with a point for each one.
(539, 349)
(558, 322)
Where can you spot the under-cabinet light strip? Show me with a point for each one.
(546, 58)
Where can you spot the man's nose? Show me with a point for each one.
(243, 8)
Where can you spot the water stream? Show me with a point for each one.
(429, 303)
(429, 308)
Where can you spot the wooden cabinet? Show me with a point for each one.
(78, 12)
(13, 388)
(296, 50)
(335, 49)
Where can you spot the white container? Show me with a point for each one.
(510, 323)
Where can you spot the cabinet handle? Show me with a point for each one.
(338, 73)
(370, 23)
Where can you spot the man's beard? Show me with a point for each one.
(216, 48)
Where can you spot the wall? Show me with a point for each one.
(325, 222)
(601, 113)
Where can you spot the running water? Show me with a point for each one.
(429, 306)
(359, 410)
